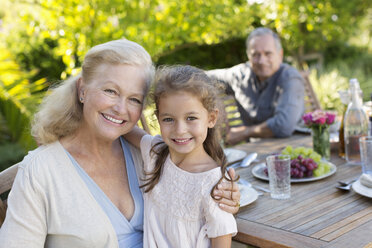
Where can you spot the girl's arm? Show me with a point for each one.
(134, 137)
(221, 241)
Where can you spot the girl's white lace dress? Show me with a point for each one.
(179, 211)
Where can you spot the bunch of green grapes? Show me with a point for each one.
(305, 155)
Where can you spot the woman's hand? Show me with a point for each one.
(228, 194)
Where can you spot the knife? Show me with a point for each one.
(248, 160)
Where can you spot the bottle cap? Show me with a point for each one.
(354, 84)
(353, 80)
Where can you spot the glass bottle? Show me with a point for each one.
(355, 123)
(345, 99)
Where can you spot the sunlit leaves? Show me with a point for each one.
(18, 99)
(158, 25)
(163, 25)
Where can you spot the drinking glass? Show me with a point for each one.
(366, 154)
(279, 170)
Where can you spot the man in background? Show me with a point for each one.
(269, 93)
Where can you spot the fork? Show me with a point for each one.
(245, 182)
(259, 193)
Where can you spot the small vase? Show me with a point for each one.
(321, 142)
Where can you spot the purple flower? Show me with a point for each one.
(307, 118)
(330, 118)
(318, 118)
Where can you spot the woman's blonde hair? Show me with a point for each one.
(60, 113)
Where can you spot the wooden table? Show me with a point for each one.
(316, 215)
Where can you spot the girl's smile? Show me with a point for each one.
(182, 141)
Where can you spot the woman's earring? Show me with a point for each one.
(81, 99)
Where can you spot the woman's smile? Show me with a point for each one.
(112, 119)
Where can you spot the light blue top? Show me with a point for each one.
(129, 233)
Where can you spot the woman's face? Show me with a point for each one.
(112, 100)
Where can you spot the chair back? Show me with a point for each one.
(6, 181)
(311, 100)
(231, 115)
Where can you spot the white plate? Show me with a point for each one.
(258, 171)
(247, 195)
(361, 189)
(233, 155)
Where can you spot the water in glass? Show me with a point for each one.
(279, 170)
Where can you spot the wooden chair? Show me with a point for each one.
(230, 116)
(6, 181)
(311, 100)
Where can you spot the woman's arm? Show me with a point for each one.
(228, 194)
(221, 241)
(134, 137)
(25, 223)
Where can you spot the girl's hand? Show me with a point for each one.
(228, 194)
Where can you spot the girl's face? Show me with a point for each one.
(184, 123)
(112, 100)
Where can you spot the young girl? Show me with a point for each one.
(184, 164)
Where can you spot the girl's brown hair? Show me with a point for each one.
(170, 79)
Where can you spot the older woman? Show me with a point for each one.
(80, 188)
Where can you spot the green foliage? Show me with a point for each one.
(51, 32)
(326, 87)
(18, 99)
(10, 153)
(41, 60)
(222, 55)
(152, 121)
(307, 26)
(336, 77)
(77, 26)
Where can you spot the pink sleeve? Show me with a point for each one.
(147, 142)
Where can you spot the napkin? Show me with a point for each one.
(366, 180)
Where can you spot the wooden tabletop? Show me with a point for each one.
(316, 215)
